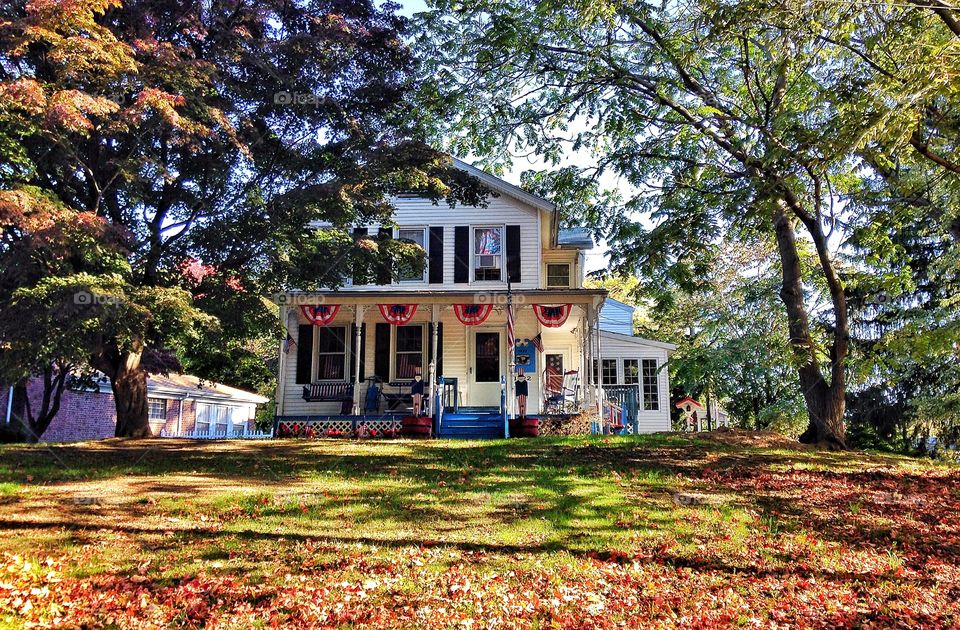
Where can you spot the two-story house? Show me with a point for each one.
(449, 323)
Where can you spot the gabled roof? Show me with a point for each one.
(495, 183)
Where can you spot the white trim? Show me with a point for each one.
(504, 187)
(546, 275)
(393, 349)
(315, 357)
(503, 253)
(424, 278)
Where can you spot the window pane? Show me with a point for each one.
(331, 355)
(651, 391)
(332, 338)
(487, 250)
(631, 372)
(609, 371)
(411, 272)
(157, 408)
(558, 275)
(410, 338)
(409, 357)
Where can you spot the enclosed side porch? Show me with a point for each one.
(350, 356)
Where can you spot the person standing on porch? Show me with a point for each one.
(416, 391)
(521, 390)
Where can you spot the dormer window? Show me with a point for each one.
(488, 254)
(558, 276)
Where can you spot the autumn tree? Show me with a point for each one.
(213, 131)
(721, 118)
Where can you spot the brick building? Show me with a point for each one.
(180, 404)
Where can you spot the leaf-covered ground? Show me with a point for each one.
(659, 531)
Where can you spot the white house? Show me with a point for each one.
(633, 364)
(354, 352)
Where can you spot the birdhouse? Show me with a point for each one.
(689, 405)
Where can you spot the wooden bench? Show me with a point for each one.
(330, 392)
(398, 397)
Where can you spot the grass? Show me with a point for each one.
(663, 530)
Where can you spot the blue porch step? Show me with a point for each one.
(474, 423)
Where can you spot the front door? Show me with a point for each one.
(487, 369)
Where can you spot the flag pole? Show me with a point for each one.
(511, 348)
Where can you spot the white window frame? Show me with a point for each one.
(423, 350)
(234, 425)
(150, 401)
(473, 253)
(425, 245)
(546, 272)
(656, 380)
(616, 370)
(315, 369)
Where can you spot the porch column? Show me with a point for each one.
(281, 364)
(358, 311)
(599, 375)
(432, 368)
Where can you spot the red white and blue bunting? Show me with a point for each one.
(552, 315)
(320, 315)
(472, 314)
(397, 314)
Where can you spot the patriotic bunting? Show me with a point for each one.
(472, 314)
(552, 316)
(397, 314)
(320, 315)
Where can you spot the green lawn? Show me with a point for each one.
(665, 530)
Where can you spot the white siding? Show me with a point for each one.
(616, 317)
(622, 347)
(502, 210)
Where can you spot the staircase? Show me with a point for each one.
(472, 423)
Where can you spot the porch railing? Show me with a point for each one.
(217, 435)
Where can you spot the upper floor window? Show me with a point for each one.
(488, 253)
(412, 272)
(558, 276)
(331, 353)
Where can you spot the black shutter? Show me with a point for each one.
(461, 254)
(359, 274)
(353, 350)
(436, 255)
(304, 354)
(513, 253)
(381, 351)
(384, 275)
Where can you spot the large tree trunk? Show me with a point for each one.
(824, 401)
(129, 383)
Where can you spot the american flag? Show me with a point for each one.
(288, 343)
(538, 342)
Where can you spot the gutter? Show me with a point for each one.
(10, 404)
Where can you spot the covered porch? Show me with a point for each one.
(354, 355)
